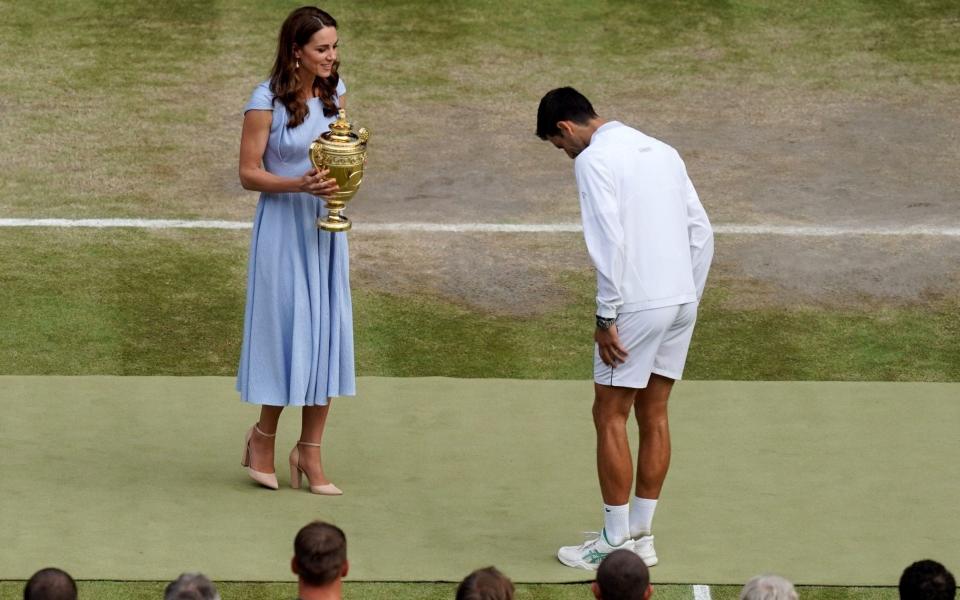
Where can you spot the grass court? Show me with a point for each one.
(815, 113)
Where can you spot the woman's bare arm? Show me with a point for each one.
(253, 141)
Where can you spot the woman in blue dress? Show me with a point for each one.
(298, 324)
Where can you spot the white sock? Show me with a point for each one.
(641, 516)
(616, 523)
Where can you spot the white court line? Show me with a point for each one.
(701, 592)
(722, 228)
(139, 223)
(827, 231)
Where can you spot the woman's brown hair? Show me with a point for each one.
(285, 82)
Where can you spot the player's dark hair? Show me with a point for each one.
(562, 104)
(485, 584)
(320, 551)
(927, 580)
(50, 584)
(623, 576)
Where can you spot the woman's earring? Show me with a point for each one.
(298, 63)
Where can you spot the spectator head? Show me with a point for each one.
(622, 576)
(320, 554)
(768, 587)
(927, 580)
(191, 586)
(485, 584)
(50, 584)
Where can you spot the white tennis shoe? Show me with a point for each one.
(590, 553)
(643, 547)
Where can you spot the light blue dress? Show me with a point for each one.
(298, 324)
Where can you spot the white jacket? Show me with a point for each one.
(646, 231)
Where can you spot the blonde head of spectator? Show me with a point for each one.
(768, 587)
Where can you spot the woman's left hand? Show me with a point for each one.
(326, 187)
(317, 183)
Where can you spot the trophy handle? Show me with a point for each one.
(316, 155)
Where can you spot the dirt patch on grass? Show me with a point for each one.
(500, 274)
(757, 156)
(835, 273)
(769, 156)
(527, 275)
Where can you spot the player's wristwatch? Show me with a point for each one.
(605, 323)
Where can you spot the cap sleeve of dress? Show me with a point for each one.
(341, 88)
(261, 99)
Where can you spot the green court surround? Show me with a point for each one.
(138, 478)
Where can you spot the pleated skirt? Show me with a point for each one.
(298, 323)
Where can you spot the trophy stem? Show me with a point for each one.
(334, 221)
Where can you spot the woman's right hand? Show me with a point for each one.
(316, 183)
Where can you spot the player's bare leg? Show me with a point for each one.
(653, 460)
(653, 456)
(611, 411)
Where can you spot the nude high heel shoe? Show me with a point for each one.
(296, 473)
(267, 480)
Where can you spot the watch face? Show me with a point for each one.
(604, 323)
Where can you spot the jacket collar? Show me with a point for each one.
(605, 127)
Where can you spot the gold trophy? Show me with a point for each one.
(343, 152)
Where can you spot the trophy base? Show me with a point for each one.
(334, 222)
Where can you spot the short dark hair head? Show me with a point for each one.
(319, 552)
(485, 584)
(623, 576)
(50, 584)
(562, 104)
(927, 580)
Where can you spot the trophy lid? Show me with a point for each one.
(341, 131)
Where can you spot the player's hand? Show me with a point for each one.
(608, 343)
(316, 183)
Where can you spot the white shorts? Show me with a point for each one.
(656, 340)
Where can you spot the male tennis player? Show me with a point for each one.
(651, 244)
